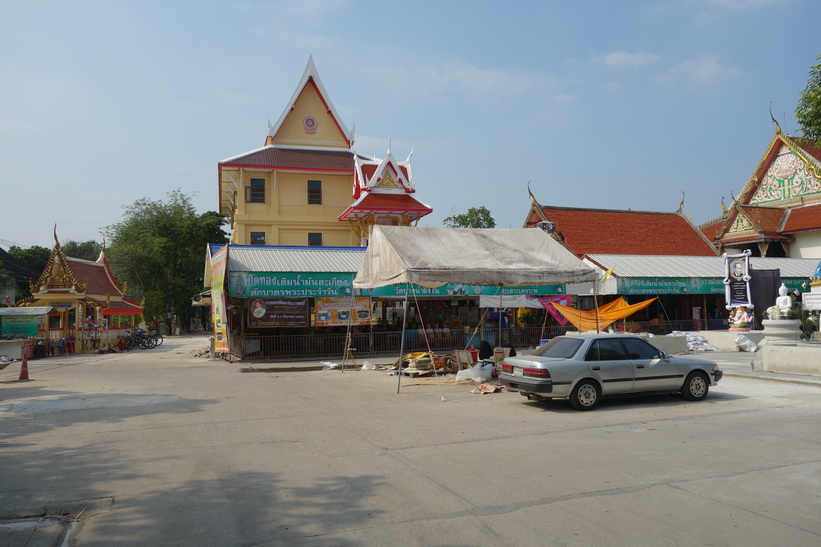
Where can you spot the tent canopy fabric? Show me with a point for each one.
(431, 257)
(585, 320)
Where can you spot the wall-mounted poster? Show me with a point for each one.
(278, 312)
(737, 280)
(337, 311)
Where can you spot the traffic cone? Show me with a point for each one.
(24, 369)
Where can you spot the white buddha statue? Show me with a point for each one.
(783, 302)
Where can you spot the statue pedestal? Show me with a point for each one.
(782, 330)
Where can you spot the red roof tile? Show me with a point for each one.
(388, 203)
(768, 219)
(606, 231)
(803, 218)
(94, 274)
(287, 158)
(711, 229)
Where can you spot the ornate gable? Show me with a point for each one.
(58, 273)
(788, 180)
(741, 225)
(310, 119)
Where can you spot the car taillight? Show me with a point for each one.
(536, 373)
(507, 368)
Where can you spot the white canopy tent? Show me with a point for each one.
(432, 257)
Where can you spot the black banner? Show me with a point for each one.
(278, 312)
(737, 280)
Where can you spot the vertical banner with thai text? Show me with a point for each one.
(219, 262)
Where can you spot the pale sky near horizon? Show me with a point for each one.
(600, 104)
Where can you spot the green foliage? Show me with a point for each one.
(159, 249)
(476, 217)
(87, 250)
(808, 111)
(33, 259)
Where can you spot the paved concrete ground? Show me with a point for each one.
(160, 448)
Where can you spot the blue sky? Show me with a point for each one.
(600, 104)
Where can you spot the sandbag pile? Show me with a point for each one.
(695, 342)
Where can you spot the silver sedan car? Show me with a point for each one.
(584, 368)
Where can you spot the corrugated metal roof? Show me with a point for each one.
(260, 258)
(696, 266)
(25, 311)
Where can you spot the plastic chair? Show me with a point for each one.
(70, 344)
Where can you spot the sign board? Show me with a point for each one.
(456, 290)
(19, 325)
(278, 312)
(338, 311)
(287, 284)
(218, 316)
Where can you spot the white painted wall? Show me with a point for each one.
(807, 245)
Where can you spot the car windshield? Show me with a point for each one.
(560, 348)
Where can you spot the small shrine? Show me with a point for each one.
(382, 193)
(90, 308)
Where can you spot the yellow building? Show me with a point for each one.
(299, 188)
(89, 304)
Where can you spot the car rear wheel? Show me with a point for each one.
(586, 395)
(695, 387)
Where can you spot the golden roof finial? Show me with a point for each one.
(777, 127)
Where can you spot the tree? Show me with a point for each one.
(476, 217)
(808, 111)
(33, 259)
(87, 250)
(158, 249)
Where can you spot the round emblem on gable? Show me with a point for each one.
(309, 123)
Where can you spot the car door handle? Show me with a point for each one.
(639, 366)
(596, 368)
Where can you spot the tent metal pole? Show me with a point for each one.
(348, 340)
(596, 300)
(501, 292)
(402, 341)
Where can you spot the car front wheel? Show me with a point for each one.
(586, 395)
(695, 387)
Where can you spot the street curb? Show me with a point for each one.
(773, 379)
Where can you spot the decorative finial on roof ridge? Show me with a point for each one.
(681, 205)
(777, 127)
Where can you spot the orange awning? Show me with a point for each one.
(585, 320)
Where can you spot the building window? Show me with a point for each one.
(257, 238)
(314, 239)
(314, 192)
(256, 192)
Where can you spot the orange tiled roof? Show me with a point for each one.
(711, 229)
(767, 219)
(803, 218)
(607, 231)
